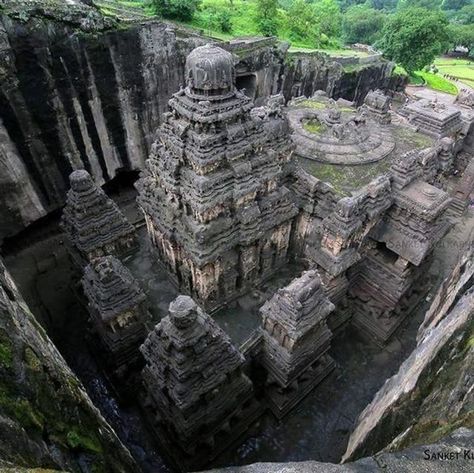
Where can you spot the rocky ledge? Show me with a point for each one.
(453, 453)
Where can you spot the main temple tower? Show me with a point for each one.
(214, 197)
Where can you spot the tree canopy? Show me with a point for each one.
(362, 24)
(413, 37)
(176, 9)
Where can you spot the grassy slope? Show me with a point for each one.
(461, 68)
(432, 81)
(243, 19)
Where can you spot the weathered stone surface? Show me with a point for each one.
(432, 393)
(93, 222)
(213, 195)
(416, 221)
(118, 308)
(94, 101)
(197, 395)
(377, 106)
(46, 417)
(327, 136)
(434, 119)
(296, 340)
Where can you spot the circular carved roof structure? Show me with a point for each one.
(210, 71)
(327, 136)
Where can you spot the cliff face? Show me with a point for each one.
(433, 392)
(72, 99)
(46, 418)
(305, 73)
(78, 91)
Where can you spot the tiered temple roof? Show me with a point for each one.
(433, 118)
(296, 340)
(213, 193)
(195, 384)
(118, 307)
(92, 221)
(416, 221)
(384, 289)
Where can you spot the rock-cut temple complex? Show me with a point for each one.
(214, 196)
(351, 200)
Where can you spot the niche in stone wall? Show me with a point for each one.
(249, 83)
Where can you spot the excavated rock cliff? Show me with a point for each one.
(77, 94)
(46, 418)
(81, 91)
(433, 392)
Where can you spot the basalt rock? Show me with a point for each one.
(46, 418)
(197, 395)
(213, 195)
(93, 222)
(296, 340)
(79, 91)
(118, 307)
(432, 393)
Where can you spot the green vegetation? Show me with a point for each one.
(20, 409)
(437, 82)
(176, 9)
(78, 440)
(6, 355)
(6, 351)
(410, 32)
(314, 126)
(362, 24)
(461, 69)
(433, 80)
(413, 37)
(312, 104)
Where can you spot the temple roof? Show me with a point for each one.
(90, 218)
(110, 287)
(189, 354)
(210, 68)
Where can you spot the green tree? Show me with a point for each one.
(362, 24)
(302, 22)
(329, 17)
(465, 16)
(462, 35)
(455, 4)
(176, 9)
(428, 4)
(267, 17)
(388, 5)
(413, 37)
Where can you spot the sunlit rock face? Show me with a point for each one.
(213, 195)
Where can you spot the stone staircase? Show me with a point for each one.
(460, 195)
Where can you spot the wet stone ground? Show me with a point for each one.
(318, 429)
